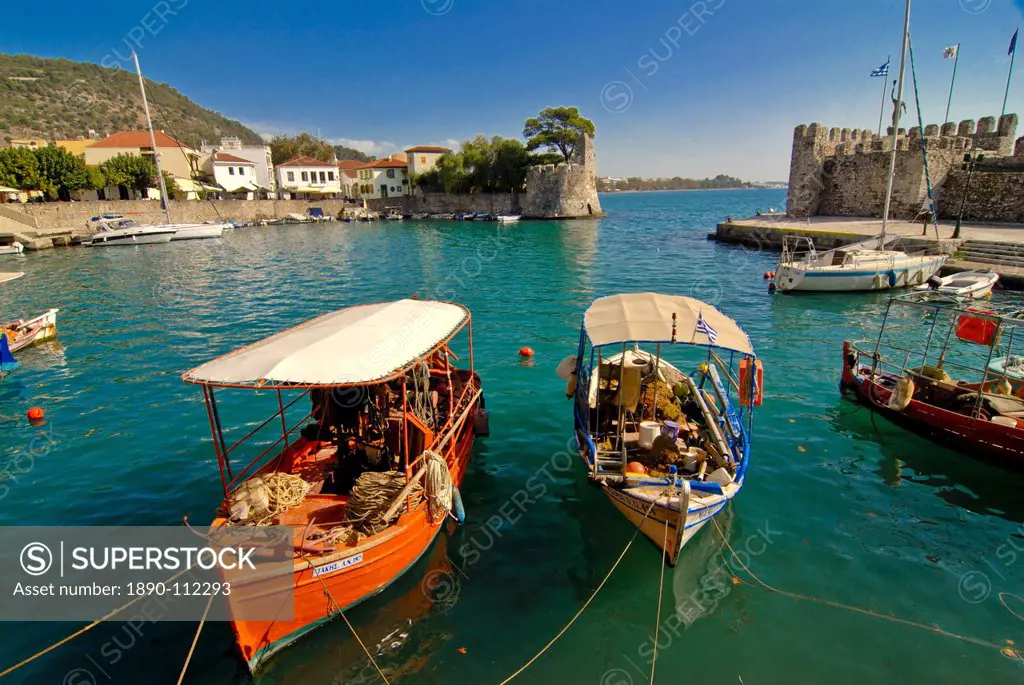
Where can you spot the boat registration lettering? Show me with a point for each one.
(337, 565)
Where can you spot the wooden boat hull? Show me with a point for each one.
(903, 272)
(664, 515)
(33, 331)
(975, 436)
(348, 578)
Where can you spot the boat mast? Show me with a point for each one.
(895, 124)
(152, 140)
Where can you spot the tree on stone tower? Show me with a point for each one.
(558, 129)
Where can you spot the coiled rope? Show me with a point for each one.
(422, 406)
(372, 495)
(439, 487)
(934, 629)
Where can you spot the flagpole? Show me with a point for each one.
(1013, 54)
(885, 81)
(956, 58)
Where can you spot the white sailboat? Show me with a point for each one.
(118, 230)
(874, 264)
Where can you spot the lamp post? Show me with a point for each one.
(968, 166)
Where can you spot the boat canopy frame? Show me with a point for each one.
(934, 304)
(442, 435)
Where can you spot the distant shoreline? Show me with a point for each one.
(683, 190)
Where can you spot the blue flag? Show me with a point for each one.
(7, 360)
(882, 70)
(1013, 43)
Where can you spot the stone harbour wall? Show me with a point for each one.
(440, 203)
(996, 196)
(842, 172)
(74, 215)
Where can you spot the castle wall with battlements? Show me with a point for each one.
(842, 172)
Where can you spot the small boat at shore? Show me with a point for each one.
(907, 375)
(965, 285)
(112, 233)
(4, 277)
(874, 264)
(508, 218)
(367, 477)
(26, 332)
(870, 265)
(13, 248)
(669, 449)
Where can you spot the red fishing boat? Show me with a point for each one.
(369, 472)
(944, 369)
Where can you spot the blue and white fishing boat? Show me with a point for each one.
(670, 450)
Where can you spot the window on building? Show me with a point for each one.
(305, 176)
(231, 171)
(323, 177)
(330, 175)
(423, 159)
(241, 171)
(291, 177)
(391, 173)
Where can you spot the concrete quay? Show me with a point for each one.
(999, 247)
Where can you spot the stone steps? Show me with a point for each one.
(991, 252)
(996, 260)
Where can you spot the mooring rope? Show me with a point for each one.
(334, 603)
(195, 639)
(866, 612)
(661, 587)
(583, 608)
(81, 631)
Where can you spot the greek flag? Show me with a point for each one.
(882, 70)
(703, 327)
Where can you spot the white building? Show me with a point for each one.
(305, 177)
(234, 174)
(383, 179)
(348, 174)
(257, 154)
(423, 158)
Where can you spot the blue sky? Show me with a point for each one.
(713, 87)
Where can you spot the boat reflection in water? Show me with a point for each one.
(389, 625)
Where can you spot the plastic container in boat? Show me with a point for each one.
(649, 430)
(671, 429)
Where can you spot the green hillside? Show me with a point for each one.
(59, 98)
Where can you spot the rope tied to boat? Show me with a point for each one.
(259, 499)
(586, 604)
(1006, 651)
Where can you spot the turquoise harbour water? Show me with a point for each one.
(836, 506)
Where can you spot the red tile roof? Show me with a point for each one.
(225, 157)
(305, 161)
(133, 139)
(350, 164)
(351, 173)
(427, 148)
(386, 164)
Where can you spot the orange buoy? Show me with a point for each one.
(525, 351)
(767, 275)
(635, 467)
(35, 414)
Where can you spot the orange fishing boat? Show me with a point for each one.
(370, 471)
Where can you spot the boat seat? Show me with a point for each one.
(997, 404)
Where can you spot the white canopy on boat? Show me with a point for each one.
(647, 317)
(359, 344)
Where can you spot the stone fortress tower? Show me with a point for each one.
(843, 172)
(564, 190)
